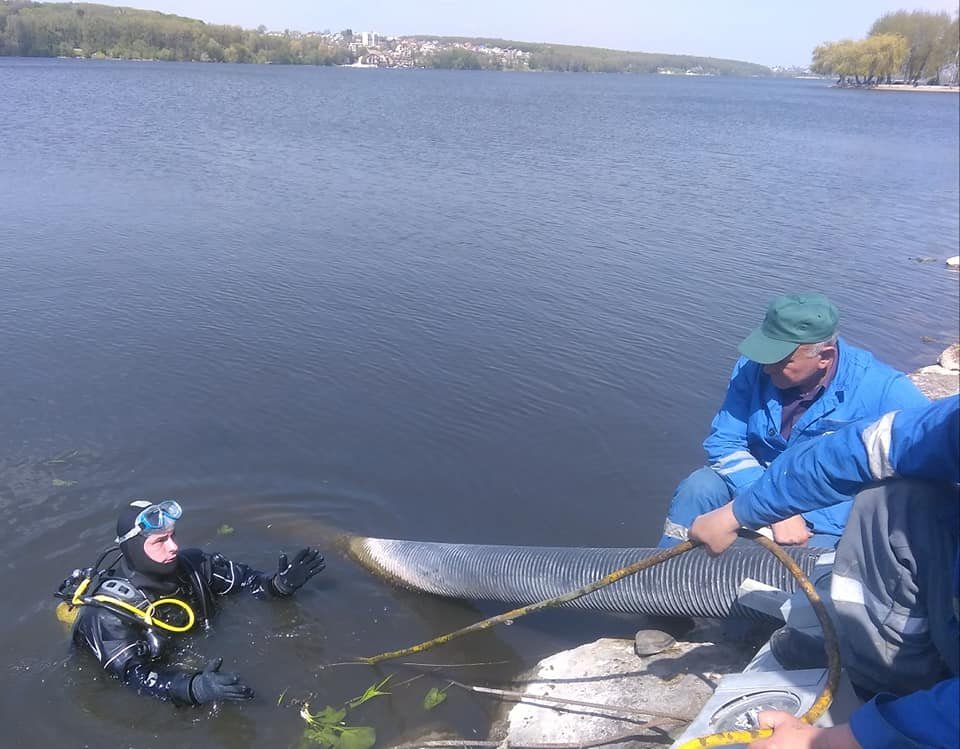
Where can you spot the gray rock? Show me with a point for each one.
(676, 682)
(652, 641)
(425, 738)
(950, 358)
(936, 384)
(943, 379)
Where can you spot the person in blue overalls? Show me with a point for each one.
(895, 585)
(797, 380)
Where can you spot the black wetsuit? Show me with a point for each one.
(129, 649)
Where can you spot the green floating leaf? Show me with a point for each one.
(329, 729)
(341, 737)
(330, 716)
(63, 482)
(224, 530)
(325, 735)
(357, 737)
(433, 698)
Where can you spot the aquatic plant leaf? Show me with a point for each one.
(325, 735)
(433, 698)
(357, 737)
(374, 690)
(224, 530)
(329, 716)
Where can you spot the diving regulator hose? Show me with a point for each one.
(145, 616)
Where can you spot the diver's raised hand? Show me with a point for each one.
(292, 575)
(211, 685)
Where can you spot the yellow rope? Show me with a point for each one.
(523, 610)
(825, 697)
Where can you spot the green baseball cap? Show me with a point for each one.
(791, 320)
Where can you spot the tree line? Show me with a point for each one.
(913, 46)
(577, 59)
(30, 29)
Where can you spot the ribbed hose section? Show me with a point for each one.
(693, 584)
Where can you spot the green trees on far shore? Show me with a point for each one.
(870, 60)
(31, 29)
(910, 46)
(933, 41)
(456, 59)
(51, 29)
(569, 58)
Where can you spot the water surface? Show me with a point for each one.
(457, 306)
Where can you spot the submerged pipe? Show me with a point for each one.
(694, 584)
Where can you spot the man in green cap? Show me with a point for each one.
(797, 380)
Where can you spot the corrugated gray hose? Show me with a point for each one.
(693, 584)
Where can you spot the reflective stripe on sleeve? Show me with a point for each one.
(675, 530)
(740, 460)
(876, 440)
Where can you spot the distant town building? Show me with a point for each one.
(370, 48)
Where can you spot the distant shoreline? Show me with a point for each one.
(921, 89)
(61, 29)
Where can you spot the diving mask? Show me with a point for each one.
(154, 519)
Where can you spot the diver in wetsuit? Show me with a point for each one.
(153, 588)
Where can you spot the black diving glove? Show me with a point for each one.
(292, 575)
(210, 685)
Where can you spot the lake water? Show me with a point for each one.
(457, 306)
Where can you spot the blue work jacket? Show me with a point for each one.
(922, 443)
(745, 435)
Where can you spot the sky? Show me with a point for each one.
(770, 32)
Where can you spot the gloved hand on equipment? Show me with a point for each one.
(211, 685)
(292, 575)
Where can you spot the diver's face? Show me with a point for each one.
(161, 547)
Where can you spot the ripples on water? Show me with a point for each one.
(458, 306)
